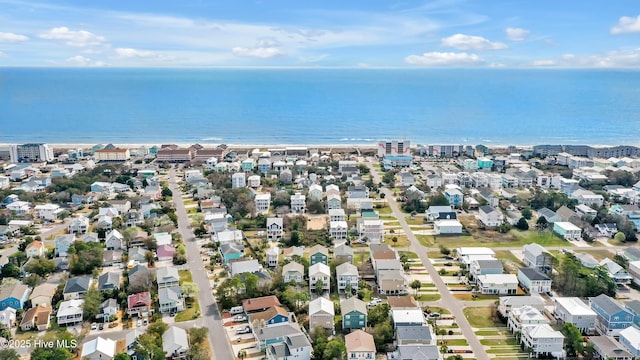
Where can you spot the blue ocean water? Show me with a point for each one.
(319, 106)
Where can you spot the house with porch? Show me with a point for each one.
(354, 313)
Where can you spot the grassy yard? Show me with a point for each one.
(401, 243)
(493, 332)
(511, 262)
(456, 342)
(388, 218)
(185, 276)
(410, 254)
(426, 240)
(599, 254)
(189, 313)
(428, 297)
(509, 350)
(385, 210)
(440, 310)
(481, 317)
(417, 220)
(495, 342)
(435, 254)
(514, 238)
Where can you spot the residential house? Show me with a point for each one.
(36, 318)
(454, 196)
(337, 215)
(343, 253)
(585, 212)
(114, 240)
(19, 207)
(338, 230)
(354, 313)
(35, 248)
(360, 346)
(99, 349)
(13, 295)
(70, 312)
(293, 271)
(525, 316)
(231, 251)
(109, 281)
(347, 277)
(567, 215)
(108, 308)
(262, 202)
(536, 256)
(407, 318)
(240, 266)
(543, 341)
(138, 273)
(77, 286)
(175, 343)
(534, 281)
(238, 180)
(609, 230)
(549, 215)
(165, 252)
(112, 257)
(270, 317)
(168, 277)
(607, 348)
(62, 244)
(370, 230)
(334, 201)
(315, 192)
(485, 267)
(567, 230)
(587, 260)
(319, 273)
(298, 204)
(507, 303)
(616, 272)
(574, 311)
(274, 228)
(392, 282)
(260, 304)
(447, 227)
(489, 216)
(501, 284)
(318, 254)
(290, 348)
(137, 255)
(8, 317)
(611, 315)
(292, 251)
(79, 225)
(90, 237)
(630, 339)
(321, 313)
(139, 304)
(272, 255)
(170, 299)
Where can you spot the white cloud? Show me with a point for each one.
(79, 38)
(257, 52)
(11, 37)
(543, 63)
(84, 61)
(129, 53)
(444, 59)
(611, 59)
(470, 42)
(627, 24)
(517, 34)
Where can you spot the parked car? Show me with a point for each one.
(101, 326)
(244, 330)
(139, 323)
(374, 302)
(239, 318)
(94, 326)
(236, 310)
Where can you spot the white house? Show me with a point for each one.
(508, 303)
(175, 343)
(372, 229)
(98, 349)
(70, 312)
(447, 227)
(79, 225)
(501, 284)
(293, 272)
(630, 339)
(321, 313)
(616, 272)
(274, 228)
(114, 240)
(262, 201)
(238, 180)
(360, 346)
(536, 256)
(534, 281)
(319, 272)
(315, 192)
(337, 215)
(272, 256)
(525, 316)
(338, 230)
(489, 216)
(543, 340)
(347, 275)
(575, 311)
(567, 230)
(253, 181)
(47, 212)
(298, 203)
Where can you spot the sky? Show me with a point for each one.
(329, 33)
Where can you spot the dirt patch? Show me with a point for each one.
(317, 222)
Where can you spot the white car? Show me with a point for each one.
(244, 330)
(374, 302)
(94, 326)
(239, 318)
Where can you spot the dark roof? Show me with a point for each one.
(108, 278)
(607, 304)
(533, 274)
(633, 306)
(487, 209)
(490, 264)
(413, 333)
(77, 284)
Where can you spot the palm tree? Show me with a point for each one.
(416, 285)
(151, 260)
(242, 354)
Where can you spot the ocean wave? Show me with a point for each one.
(212, 139)
(356, 139)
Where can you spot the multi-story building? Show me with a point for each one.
(112, 155)
(30, 153)
(298, 203)
(263, 201)
(574, 311)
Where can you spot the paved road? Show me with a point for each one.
(208, 308)
(447, 298)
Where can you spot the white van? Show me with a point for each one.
(236, 310)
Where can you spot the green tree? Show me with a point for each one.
(542, 223)
(122, 356)
(157, 329)
(10, 271)
(389, 178)
(620, 237)
(91, 305)
(9, 354)
(526, 213)
(189, 289)
(41, 267)
(198, 335)
(382, 335)
(574, 339)
(294, 239)
(319, 287)
(150, 346)
(42, 353)
(522, 224)
(378, 314)
(335, 350)
(416, 285)
(438, 200)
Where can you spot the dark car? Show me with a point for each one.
(101, 326)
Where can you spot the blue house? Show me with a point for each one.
(354, 313)
(14, 296)
(231, 251)
(318, 254)
(274, 315)
(611, 315)
(634, 308)
(454, 196)
(63, 243)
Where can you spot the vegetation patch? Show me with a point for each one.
(482, 316)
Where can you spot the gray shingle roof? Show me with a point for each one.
(77, 284)
(607, 304)
(533, 274)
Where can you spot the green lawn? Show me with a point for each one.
(599, 254)
(493, 332)
(401, 243)
(388, 218)
(513, 239)
(409, 254)
(456, 342)
(496, 342)
(480, 317)
(417, 220)
(426, 240)
(185, 276)
(383, 210)
(440, 310)
(428, 297)
(189, 314)
(509, 350)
